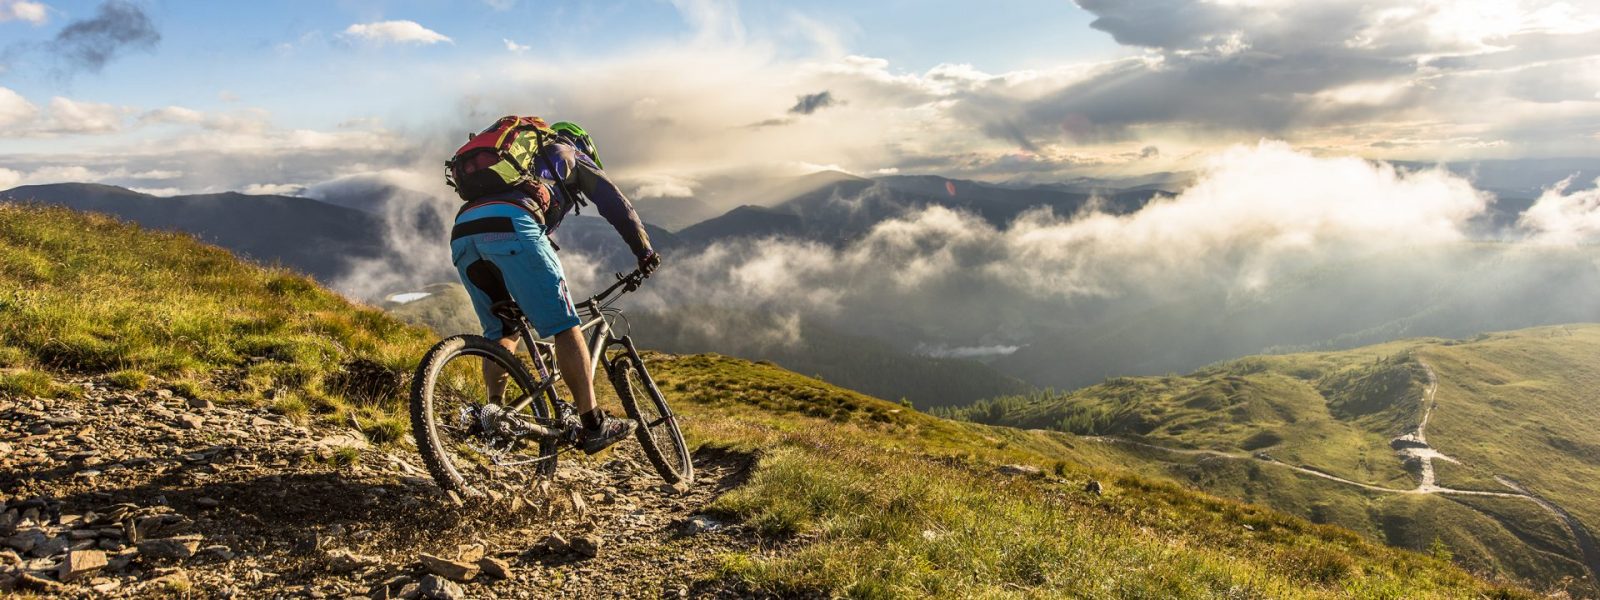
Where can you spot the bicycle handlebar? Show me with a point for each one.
(626, 283)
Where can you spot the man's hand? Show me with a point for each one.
(649, 262)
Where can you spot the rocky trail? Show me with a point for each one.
(121, 494)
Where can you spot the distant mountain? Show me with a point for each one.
(844, 208)
(714, 196)
(748, 221)
(674, 214)
(309, 236)
(592, 236)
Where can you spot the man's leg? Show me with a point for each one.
(494, 377)
(599, 430)
(572, 355)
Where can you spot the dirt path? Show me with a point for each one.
(1415, 446)
(238, 503)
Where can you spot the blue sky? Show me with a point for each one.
(283, 55)
(272, 96)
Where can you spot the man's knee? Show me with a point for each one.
(569, 334)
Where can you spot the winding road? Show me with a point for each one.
(1413, 445)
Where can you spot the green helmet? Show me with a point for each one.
(579, 139)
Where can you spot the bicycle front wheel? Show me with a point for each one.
(658, 428)
(459, 432)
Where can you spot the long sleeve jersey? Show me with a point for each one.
(578, 173)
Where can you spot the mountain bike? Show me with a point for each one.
(475, 446)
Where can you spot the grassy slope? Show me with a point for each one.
(1520, 403)
(891, 502)
(864, 497)
(1524, 404)
(86, 293)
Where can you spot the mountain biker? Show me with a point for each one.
(501, 247)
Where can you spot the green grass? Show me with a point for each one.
(893, 503)
(90, 294)
(1517, 403)
(24, 383)
(857, 497)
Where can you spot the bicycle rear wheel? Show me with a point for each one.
(454, 423)
(658, 428)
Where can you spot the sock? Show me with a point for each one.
(591, 419)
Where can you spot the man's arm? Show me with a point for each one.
(582, 175)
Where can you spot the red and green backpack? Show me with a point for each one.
(500, 159)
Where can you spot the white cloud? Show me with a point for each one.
(515, 47)
(14, 109)
(395, 32)
(76, 116)
(23, 10)
(172, 114)
(156, 174)
(664, 186)
(9, 178)
(274, 189)
(1558, 217)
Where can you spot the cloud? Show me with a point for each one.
(1559, 217)
(68, 116)
(274, 189)
(515, 47)
(395, 32)
(1324, 71)
(810, 103)
(664, 186)
(117, 28)
(14, 109)
(23, 10)
(1257, 216)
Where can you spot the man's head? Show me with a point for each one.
(575, 135)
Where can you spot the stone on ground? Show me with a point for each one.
(442, 567)
(80, 563)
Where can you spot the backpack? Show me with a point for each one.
(500, 159)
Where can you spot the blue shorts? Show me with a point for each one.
(528, 266)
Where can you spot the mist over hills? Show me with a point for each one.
(1059, 285)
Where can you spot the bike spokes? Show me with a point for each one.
(472, 442)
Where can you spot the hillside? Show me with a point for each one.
(327, 238)
(1485, 448)
(189, 416)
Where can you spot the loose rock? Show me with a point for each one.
(173, 548)
(80, 563)
(495, 567)
(458, 571)
(587, 546)
(433, 587)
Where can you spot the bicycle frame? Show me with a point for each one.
(600, 341)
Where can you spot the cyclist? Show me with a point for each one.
(501, 248)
